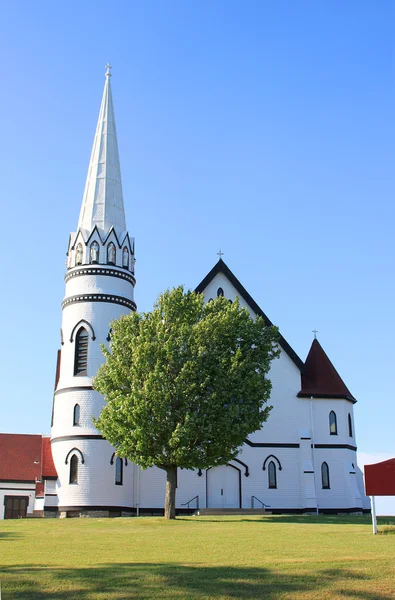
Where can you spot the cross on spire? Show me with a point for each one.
(220, 254)
(108, 72)
(315, 331)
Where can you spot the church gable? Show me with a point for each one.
(221, 281)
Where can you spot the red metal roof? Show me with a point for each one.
(48, 470)
(380, 478)
(320, 378)
(25, 457)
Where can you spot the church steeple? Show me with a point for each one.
(99, 289)
(102, 203)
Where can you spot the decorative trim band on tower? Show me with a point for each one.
(100, 298)
(99, 271)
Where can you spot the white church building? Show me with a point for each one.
(303, 459)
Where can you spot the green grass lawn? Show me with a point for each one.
(226, 558)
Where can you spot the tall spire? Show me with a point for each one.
(102, 203)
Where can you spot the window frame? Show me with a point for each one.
(125, 252)
(110, 262)
(94, 262)
(73, 471)
(332, 423)
(272, 475)
(325, 478)
(77, 248)
(76, 415)
(118, 471)
(350, 426)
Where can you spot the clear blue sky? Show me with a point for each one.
(264, 128)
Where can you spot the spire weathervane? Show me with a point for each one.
(220, 254)
(108, 72)
(315, 331)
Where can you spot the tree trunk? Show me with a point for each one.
(171, 486)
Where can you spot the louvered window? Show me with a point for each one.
(81, 352)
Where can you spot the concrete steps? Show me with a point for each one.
(203, 512)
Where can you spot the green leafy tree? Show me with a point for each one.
(185, 384)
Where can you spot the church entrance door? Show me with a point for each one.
(223, 487)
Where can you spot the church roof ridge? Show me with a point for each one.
(102, 202)
(222, 267)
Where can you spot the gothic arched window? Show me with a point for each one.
(118, 471)
(111, 254)
(220, 292)
(125, 258)
(325, 476)
(81, 352)
(76, 415)
(74, 469)
(94, 253)
(332, 423)
(78, 255)
(272, 475)
(349, 425)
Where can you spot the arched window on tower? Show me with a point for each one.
(118, 471)
(325, 476)
(76, 415)
(78, 255)
(74, 469)
(220, 292)
(125, 258)
(272, 475)
(111, 254)
(349, 425)
(94, 253)
(332, 423)
(81, 352)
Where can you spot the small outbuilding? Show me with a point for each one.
(27, 475)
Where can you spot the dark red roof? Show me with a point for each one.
(320, 378)
(22, 457)
(48, 470)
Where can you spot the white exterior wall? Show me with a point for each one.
(96, 476)
(288, 436)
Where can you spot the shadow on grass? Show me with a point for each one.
(8, 535)
(308, 519)
(168, 581)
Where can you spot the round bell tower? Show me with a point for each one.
(99, 288)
